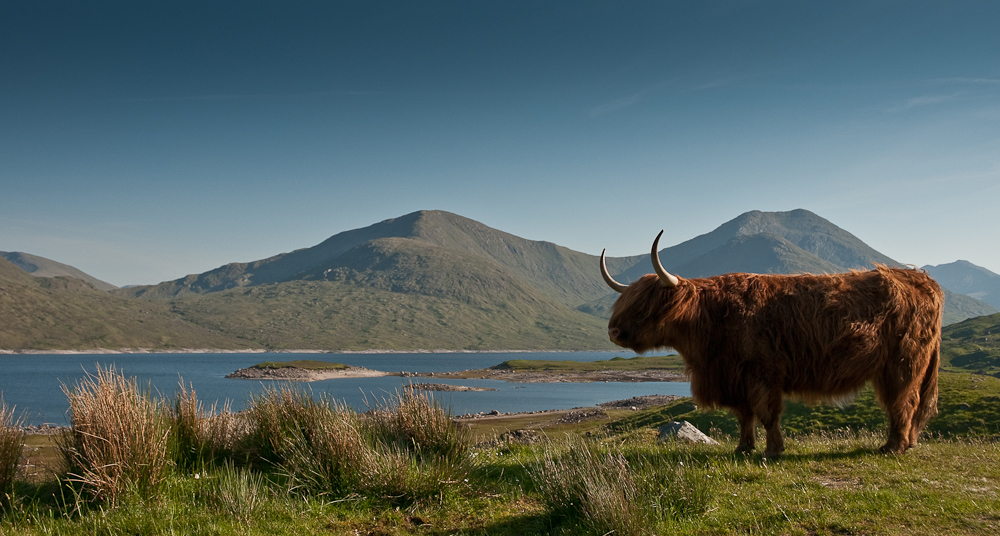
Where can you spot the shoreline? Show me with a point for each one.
(126, 351)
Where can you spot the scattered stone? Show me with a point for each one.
(447, 387)
(640, 402)
(686, 431)
(578, 416)
(44, 429)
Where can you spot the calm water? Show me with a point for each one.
(33, 383)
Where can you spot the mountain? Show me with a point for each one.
(426, 280)
(791, 242)
(562, 274)
(969, 279)
(44, 313)
(766, 242)
(429, 279)
(42, 267)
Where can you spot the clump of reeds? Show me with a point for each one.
(235, 491)
(203, 436)
(420, 451)
(609, 492)
(118, 437)
(11, 448)
(405, 451)
(315, 442)
(416, 422)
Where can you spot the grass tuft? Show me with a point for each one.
(118, 437)
(607, 491)
(203, 436)
(11, 448)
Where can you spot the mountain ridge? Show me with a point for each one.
(434, 279)
(43, 267)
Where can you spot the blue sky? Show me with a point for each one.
(143, 141)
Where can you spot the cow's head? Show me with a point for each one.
(637, 317)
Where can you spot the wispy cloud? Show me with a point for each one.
(249, 96)
(967, 81)
(617, 104)
(925, 100)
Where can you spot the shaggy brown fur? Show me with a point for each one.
(748, 340)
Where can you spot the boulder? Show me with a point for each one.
(686, 431)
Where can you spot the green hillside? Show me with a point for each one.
(968, 404)
(65, 313)
(564, 275)
(398, 298)
(972, 345)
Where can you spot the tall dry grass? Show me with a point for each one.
(204, 437)
(11, 448)
(406, 450)
(118, 437)
(415, 421)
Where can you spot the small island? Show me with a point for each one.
(303, 371)
(619, 369)
(668, 368)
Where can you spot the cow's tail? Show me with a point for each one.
(928, 395)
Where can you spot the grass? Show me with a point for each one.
(301, 364)
(306, 465)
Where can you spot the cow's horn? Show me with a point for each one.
(616, 286)
(666, 279)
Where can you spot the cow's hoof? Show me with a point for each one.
(889, 448)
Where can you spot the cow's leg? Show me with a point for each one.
(769, 409)
(898, 389)
(748, 423)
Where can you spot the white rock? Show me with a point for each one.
(686, 431)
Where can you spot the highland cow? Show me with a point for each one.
(749, 340)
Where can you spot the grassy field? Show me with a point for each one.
(295, 465)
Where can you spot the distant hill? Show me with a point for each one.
(430, 279)
(564, 275)
(42, 267)
(969, 279)
(766, 242)
(791, 242)
(45, 313)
